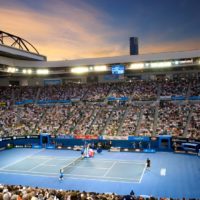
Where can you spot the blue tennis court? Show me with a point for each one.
(171, 175)
(87, 168)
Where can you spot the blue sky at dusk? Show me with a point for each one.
(71, 29)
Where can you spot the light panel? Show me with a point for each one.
(161, 64)
(79, 70)
(29, 71)
(136, 66)
(12, 69)
(42, 71)
(100, 68)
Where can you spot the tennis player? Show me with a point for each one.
(61, 175)
(148, 163)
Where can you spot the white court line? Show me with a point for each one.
(67, 164)
(95, 160)
(109, 169)
(106, 180)
(52, 157)
(33, 159)
(136, 163)
(66, 156)
(39, 165)
(21, 159)
(88, 176)
(98, 160)
(128, 161)
(142, 173)
(78, 175)
(90, 167)
(28, 172)
(36, 157)
(48, 165)
(24, 174)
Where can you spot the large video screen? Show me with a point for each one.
(118, 69)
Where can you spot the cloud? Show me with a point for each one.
(62, 31)
(67, 30)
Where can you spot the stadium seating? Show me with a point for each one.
(150, 108)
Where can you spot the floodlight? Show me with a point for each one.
(161, 64)
(29, 71)
(100, 68)
(79, 70)
(11, 69)
(42, 71)
(136, 66)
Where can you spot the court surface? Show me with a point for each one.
(170, 175)
(87, 168)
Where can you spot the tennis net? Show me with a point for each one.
(70, 166)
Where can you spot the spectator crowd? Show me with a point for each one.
(144, 113)
(18, 192)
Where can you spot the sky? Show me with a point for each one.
(74, 29)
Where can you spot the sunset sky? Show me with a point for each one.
(72, 29)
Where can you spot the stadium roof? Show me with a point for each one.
(19, 54)
(101, 61)
(13, 46)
